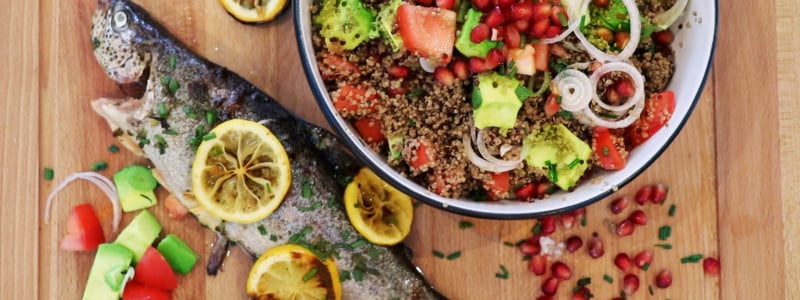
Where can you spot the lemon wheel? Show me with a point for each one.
(254, 11)
(379, 212)
(293, 272)
(242, 173)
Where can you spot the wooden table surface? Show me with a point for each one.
(732, 171)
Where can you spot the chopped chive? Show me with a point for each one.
(583, 282)
(664, 246)
(170, 132)
(165, 79)
(608, 278)
(509, 244)
(417, 204)
(454, 255)
(526, 257)
(173, 86)
(99, 165)
(650, 290)
(553, 173)
(211, 117)
(306, 192)
(331, 201)
(608, 115)
(268, 187)
(503, 273)
(48, 174)
(217, 151)
(161, 143)
(645, 266)
(189, 113)
(438, 254)
(172, 62)
(575, 162)
(415, 93)
(113, 148)
(209, 136)
(162, 110)
(692, 258)
(583, 22)
(358, 275)
(537, 229)
(314, 206)
(311, 273)
(566, 114)
(563, 19)
(672, 210)
(262, 230)
(345, 275)
(664, 232)
(358, 243)
(583, 221)
(605, 150)
(465, 224)
(273, 238)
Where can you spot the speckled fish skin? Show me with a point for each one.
(157, 72)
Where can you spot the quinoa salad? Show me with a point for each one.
(499, 99)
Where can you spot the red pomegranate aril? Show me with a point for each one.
(644, 194)
(601, 3)
(511, 37)
(482, 5)
(664, 279)
(582, 294)
(638, 217)
(643, 258)
(621, 39)
(399, 71)
(552, 31)
(557, 14)
(595, 247)
(521, 10)
(567, 220)
(550, 286)
(527, 192)
(538, 264)
(445, 4)
(530, 247)
(630, 284)
(495, 17)
(663, 38)
(659, 193)
(505, 3)
(542, 11)
(522, 25)
(480, 33)
(623, 262)
(548, 225)
(625, 228)
(624, 88)
(540, 27)
(580, 213)
(444, 75)
(477, 65)
(573, 243)
(545, 297)
(711, 266)
(620, 204)
(494, 58)
(424, 2)
(460, 69)
(561, 271)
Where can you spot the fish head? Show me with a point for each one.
(121, 35)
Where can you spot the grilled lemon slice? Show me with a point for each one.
(381, 213)
(241, 172)
(293, 272)
(254, 11)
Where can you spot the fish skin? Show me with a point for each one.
(133, 49)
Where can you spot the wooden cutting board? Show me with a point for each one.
(721, 169)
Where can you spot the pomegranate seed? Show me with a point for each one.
(567, 220)
(548, 225)
(582, 294)
(538, 264)
(643, 259)
(424, 2)
(505, 4)
(522, 25)
(595, 247)
(481, 5)
(573, 243)
(620, 204)
(550, 286)
(664, 279)
(659, 193)
(630, 284)
(601, 3)
(544, 298)
(542, 11)
(460, 69)
(495, 17)
(477, 65)
(580, 213)
(530, 247)
(561, 271)
(444, 76)
(711, 266)
(623, 262)
(638, 217)
(480, 33)
(624, 88)
(621, 39)
(553, 31)
(540, 27)
(663, 37)
(399, 71)
(445, 4)
(494, 58)
(625, 228)
(521, 11)
(644, 194)
(511, 37)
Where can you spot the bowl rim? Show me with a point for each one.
(428, 197)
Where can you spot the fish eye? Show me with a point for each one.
(120, 19)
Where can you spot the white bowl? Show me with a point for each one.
(694, 48)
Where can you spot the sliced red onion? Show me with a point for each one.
(636, 76)
(105, 184)
(575, 17)
(665, 19)
(480, 162)
(481, 143)
(636, 32)
(575, 90)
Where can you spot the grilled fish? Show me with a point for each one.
(171, 91)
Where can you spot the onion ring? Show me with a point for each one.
(481, 143)
(622, 123)
(636, 76)
(636, 32)
(573, 24)
(102, 182)
(575, 89)
(480, 162)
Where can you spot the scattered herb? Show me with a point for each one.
(664, 246)
(345, 275)
(417, 204)
(608, 115)
(113, 148)
(306, 192)
(575, 162)
(314, 206)
(209, 136)
(608, 278)
(438, 254)
(262, 230)
(358, 243)
(583, 221)
(454, 255)
(211, 117)
(583, 282)
(503, 273)
(95, 43)
(170, 132)
(650, 289)
(605, 150)
(465, 224)
(509, 244)
(173, 86)
(172, 62)
(567, 115)
(300, 235)
(189, 113)
(48, 174)
(358, 275)
(672, 210)
(163, 112)
(664, 232)
(537, 229)
(161, 143)
(415, 93)
(217, 151)
(273, 238)
(331, 201)
(645, 266)
(694, 258)
(100, 165)
(268, 187)
(311, 273)
(563, 19)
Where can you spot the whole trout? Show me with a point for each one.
(176, 97)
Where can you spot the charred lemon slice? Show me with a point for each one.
(293, 272)
(381, 213)
(254, 11)
(241, 172)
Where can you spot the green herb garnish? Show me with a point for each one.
(163, 112)
(438, 254)
(262, 230)
(113, 148)
(694, 258)
(48, 174)
(608, 278)
(211, 117)
(311, 273)
(209, 136)
(454, 255)
(664, 246)
(465, 224)
(172, 62)
(664, 232)
(672, 210)
(99, 165)
(306, 189)
(503, 273)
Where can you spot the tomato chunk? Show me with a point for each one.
(353, 101)
(657, 111)
(153, 270)
(370, 129)
(333, 66)
(498, 185)
(84, 232)
(138, 291)
(428, 31)
(609, 152)
(419, 154)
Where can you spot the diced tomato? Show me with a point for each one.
(498, 185)
(608, 153)
(353, 101)
(526, 192)
(541, 56)
(370, 129)
(551, 106)
(657, 111)
(419, 155)
(333, 66)
(154, 271)
(137, 291)
(84, 232)
(428, 31)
